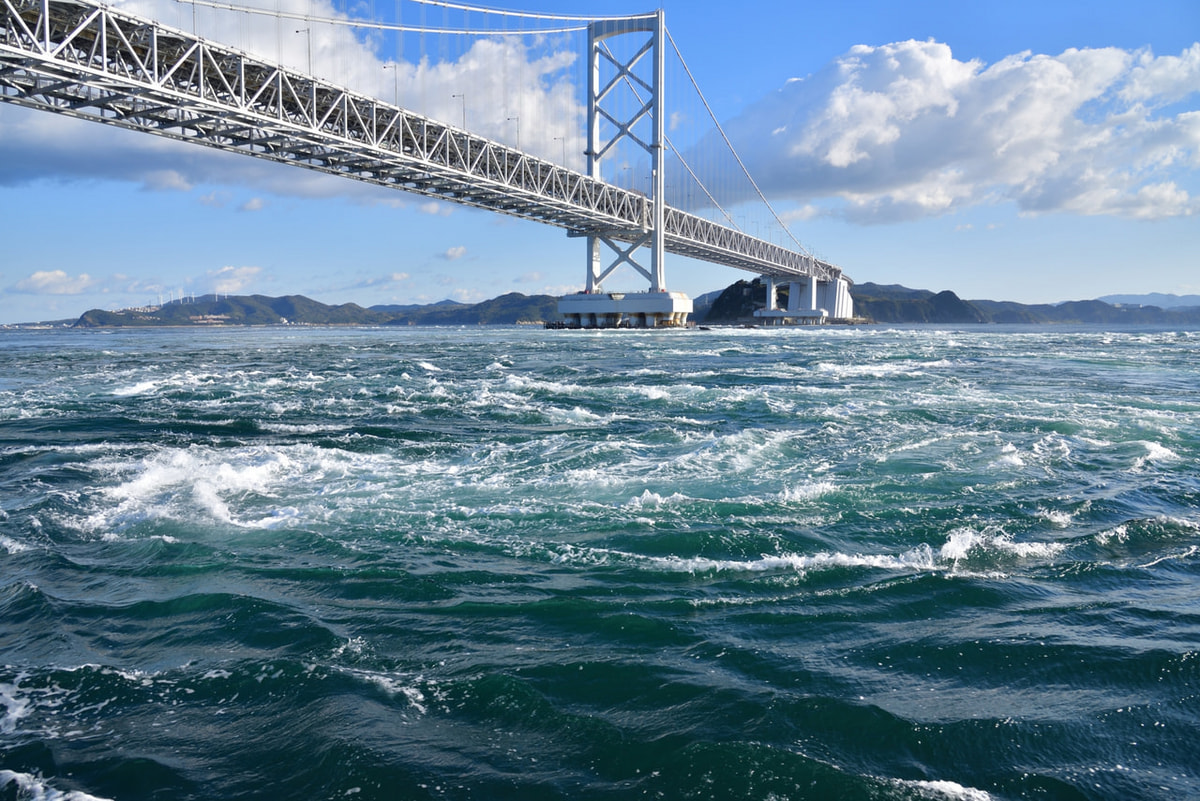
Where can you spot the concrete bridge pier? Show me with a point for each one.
(625, 309)
(810, 302)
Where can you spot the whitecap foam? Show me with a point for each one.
(355, 646)
(1009, 457)
(962, 542)
(247, 487)
(807, 492)
(1119, 533)
(140, 388)
(16, 706)
(577, 415)
(393, 686)
(1056, 517)
(1154, 453)
(650, 392)
(650, 499)
(942, 789)
(880, 370)
(1052, 446)
(12, 546)
(37, 789)
(1185, 554)
(919, 558)
(525, 384)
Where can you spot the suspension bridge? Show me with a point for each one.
(89, 60)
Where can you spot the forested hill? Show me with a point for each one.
(299, 310)
(734, 305)
(897, 304)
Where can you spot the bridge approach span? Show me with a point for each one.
(84, 59)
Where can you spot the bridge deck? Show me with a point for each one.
(80, 58)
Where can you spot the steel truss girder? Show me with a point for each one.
(86, 60)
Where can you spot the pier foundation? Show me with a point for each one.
(625, 309)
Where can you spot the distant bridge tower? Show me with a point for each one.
(608, 77)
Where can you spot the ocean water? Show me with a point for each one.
(505, 563)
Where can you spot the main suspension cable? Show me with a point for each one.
(390, 26)
(373, 25)
(678, 154)
(729, 144)
(528, 14)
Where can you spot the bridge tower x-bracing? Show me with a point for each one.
(609, 76)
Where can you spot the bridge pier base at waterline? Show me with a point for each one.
(625, 309)
(809, 302)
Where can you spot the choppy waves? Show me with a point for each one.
(903, 564)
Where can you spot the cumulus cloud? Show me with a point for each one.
(228, 280)
(215, 199)
(435, 208)
(41, 146)
(468, 295)
(166, 180)
(502, 79)
(905, 130)
(55, 282)
(890, 132)
(453, 254)
(1163, 79)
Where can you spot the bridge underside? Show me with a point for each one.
(86, 60)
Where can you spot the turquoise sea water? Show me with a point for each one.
(516, 564)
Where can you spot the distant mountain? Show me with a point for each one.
(892, 303)
(234, 310)
(1086, 311)
(1154, 299)
(878, 302)
(412, 307)
(883, 303)
(505, 310)
(299, 310)
(896, 304)
(703, 304)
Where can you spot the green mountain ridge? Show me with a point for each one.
(210, 311)
(880, 303)
(892, 303)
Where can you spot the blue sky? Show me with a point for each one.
(1028, 151)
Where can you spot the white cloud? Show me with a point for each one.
(166, 180)
(891, 132)
(501, 78)
(399, 277)
(1165, 79)
(454, 253)
(215, 199)
(229, 280)
(436, 208)
(55, 282)
(905, 130)
(805, 212)
(559, 289)
(467, 295)
(253, 204)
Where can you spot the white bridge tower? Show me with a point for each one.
(609, 76)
